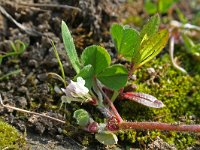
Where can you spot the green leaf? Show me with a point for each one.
(181, 16)
(188, 42)
(164, 5)
(150, 48)
(151, 27)
(196, 49)
(126, 40)
(87, 73)
(161, 6)
(191, 47)
(114, 77)
(69, 47)
(150, 7)
(18, 46)
(96, 56)
(106, 138)
(82, 117)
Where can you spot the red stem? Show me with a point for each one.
(117, 115)
(159, 126)
(110, 103)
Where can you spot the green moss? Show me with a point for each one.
(181, 140)
(10, 138)
(129, 135)
(180, 94)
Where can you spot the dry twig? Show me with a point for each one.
(29, 112)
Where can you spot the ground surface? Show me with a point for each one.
(30, 88)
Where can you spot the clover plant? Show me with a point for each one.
(99, 82)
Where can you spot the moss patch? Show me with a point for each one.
(10, 138)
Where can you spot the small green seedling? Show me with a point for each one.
(139, 48)
(179, 31)
(191, 47)
(97, 78)
(18, 48)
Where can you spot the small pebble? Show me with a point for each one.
(42, 77)
(151, 71)
(33, 63)
(21, 102)
(134, 77)
(23, 89)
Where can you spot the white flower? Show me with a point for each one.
(76, 91)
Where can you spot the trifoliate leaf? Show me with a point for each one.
(96, 56)
(114, 77)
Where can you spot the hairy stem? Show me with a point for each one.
(110, 103)
(159, 126)
(29, 112)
